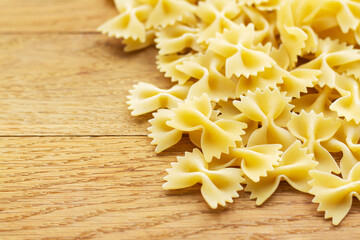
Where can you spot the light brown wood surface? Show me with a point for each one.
(75, 165)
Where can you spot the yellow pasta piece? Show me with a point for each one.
(163, 136)
(300, 20)
(176, 38)
(335, 194)
(318, 102)
(168, 64)
(208, 68)
(293, 167)
(244, 57)
(348, 105)
(329, 55)
(166, 12)
(146, 97)
(257, 160)
(313, 129)
(229, 111)
(298, 81)
(129, 23)
(215, 16)
(346, 141)
(134, 45)
(217, 186)
(292, 36)
(264, 23)
(269, 78)
(216, 136)
(272, 109)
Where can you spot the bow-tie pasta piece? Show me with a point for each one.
(174, 39)
(216, 136)
(272, 109)
(346, 141)
(139, 16)
(352, 135)
(244, 57)
(292, 37)
(167, 12)
(280, 56)
(129, 23)
(229, 111)
(335, 194)
(215, 16)
(348, 158)
(293, 167)
(163, 136)
(269, 78)
(298, 81)
(146, 97)
(256, 161)
(208, 68)
(299, 29)
(168, 65)
(348, 105)
(217, 186)
(330, 56)
(134, 45)
(313, 129)
(319, 101)
(264, 23)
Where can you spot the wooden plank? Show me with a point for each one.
(110, 188)
(55, 84)
(54, 15)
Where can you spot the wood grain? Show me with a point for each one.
(99, 177)
(71, 84)
(19, 16)
(110, 188)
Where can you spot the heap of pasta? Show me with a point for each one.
(267, 91)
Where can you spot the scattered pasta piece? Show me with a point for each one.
(216, 136)
(146, 97)
(256, 161)
(293, 167)
(163, 135)
(243, 57)
(313, 129)
(217, 186)
(272, 109)
(335, 194)
(267, 90)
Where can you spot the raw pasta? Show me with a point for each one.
(267, 91)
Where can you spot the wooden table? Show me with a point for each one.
(75, 165)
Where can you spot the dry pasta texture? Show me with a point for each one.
(266, 90)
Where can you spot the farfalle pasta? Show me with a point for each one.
(208, 68)
(244, 56)
(313, 129)
(266, 90)
(293, 167)
(146, 97)
(216, 136)
(163, 135)
(217, 186)
(271, 108)
(256, 161)
(215, 16)
(335, 194)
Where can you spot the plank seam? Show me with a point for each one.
(61, 135)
